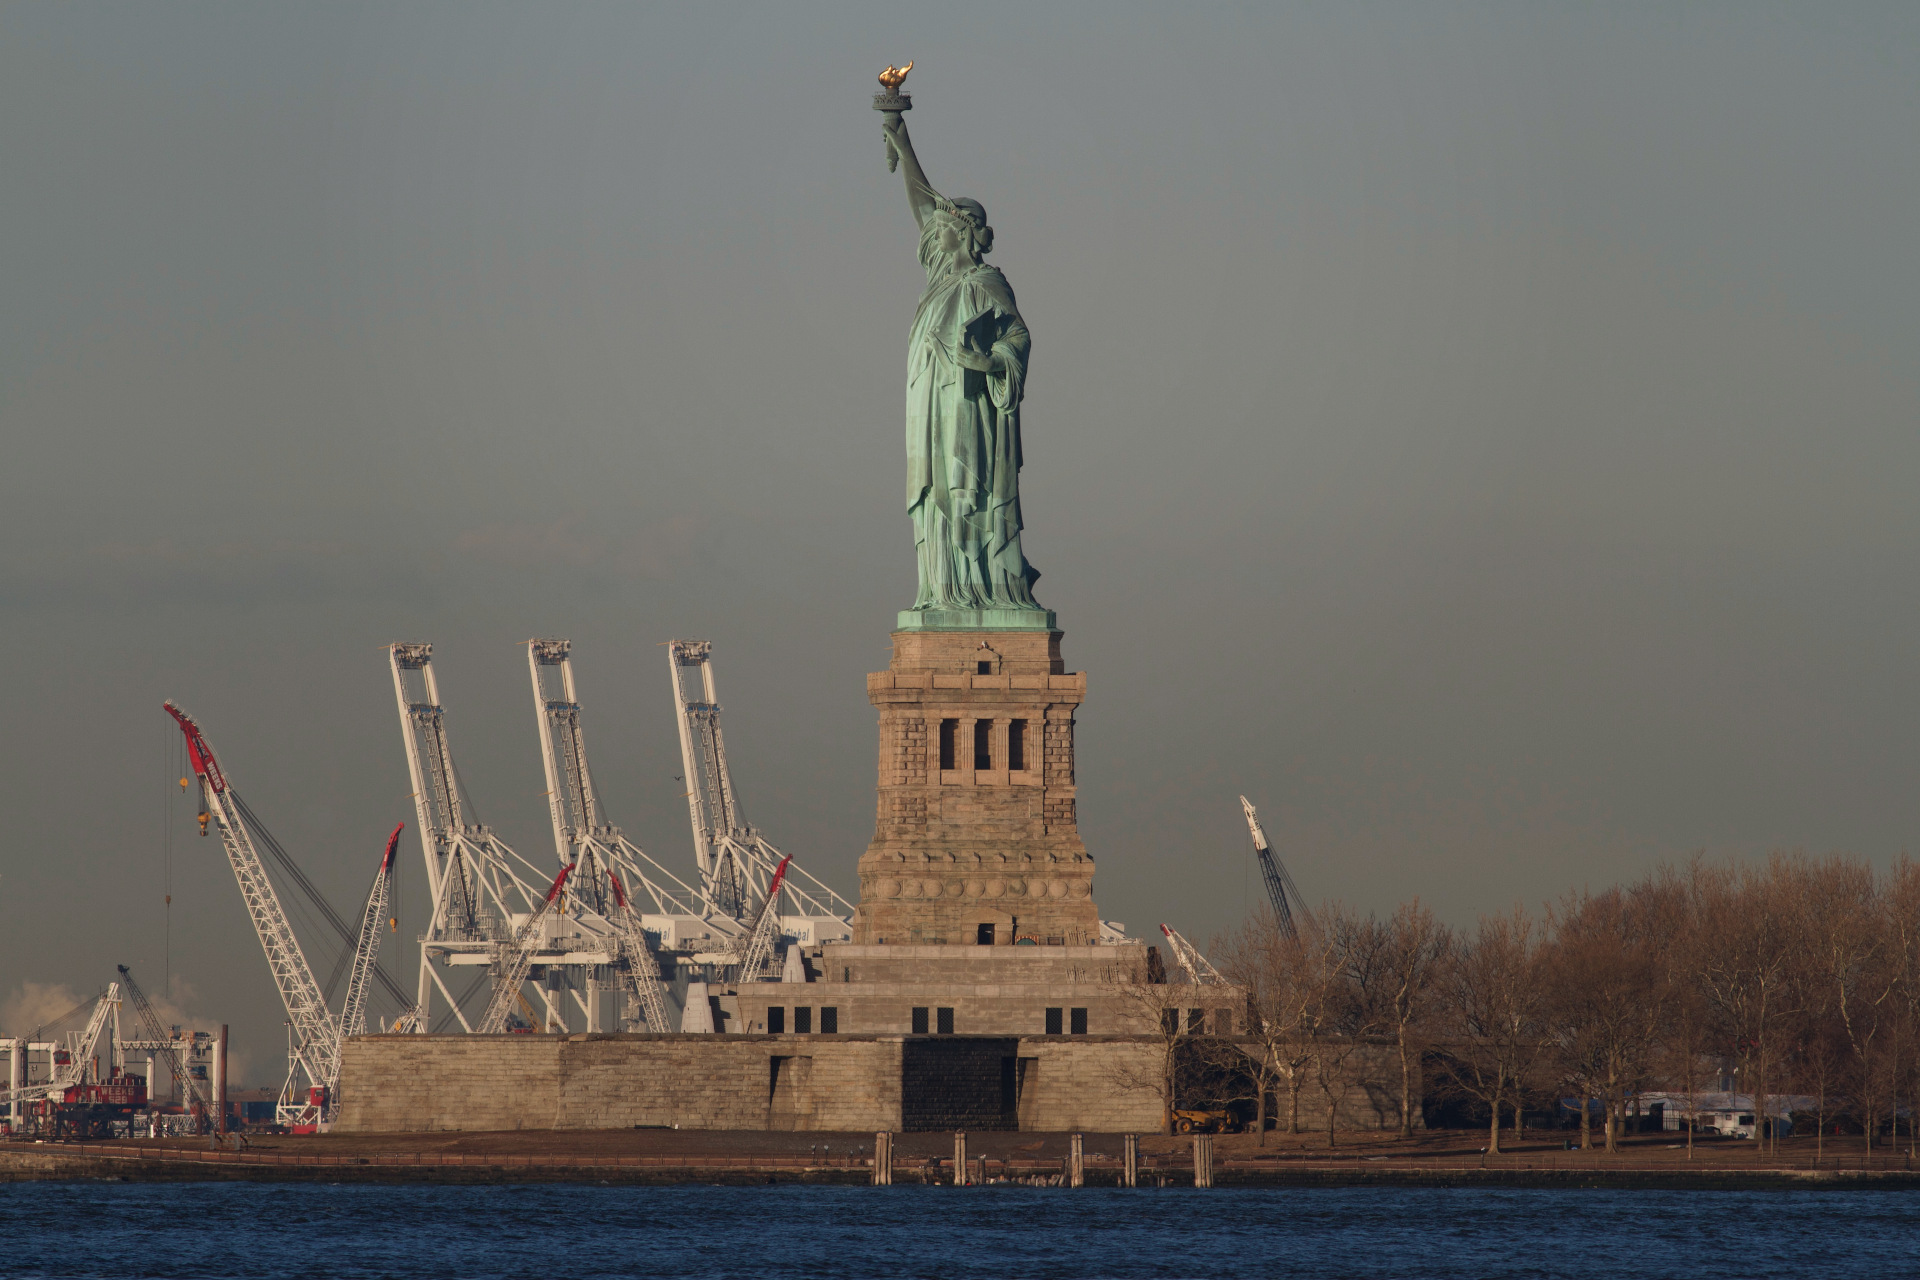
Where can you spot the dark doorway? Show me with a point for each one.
(984, 935)
(959, 1084)
(983, 744)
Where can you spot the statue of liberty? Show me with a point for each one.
(966, 372)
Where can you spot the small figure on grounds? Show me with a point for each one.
(966, 372)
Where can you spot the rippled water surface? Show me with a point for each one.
(794, 1233)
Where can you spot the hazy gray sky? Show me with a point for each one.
(1483, 434)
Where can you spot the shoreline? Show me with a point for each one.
(756, 1158)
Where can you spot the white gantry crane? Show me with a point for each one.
(316, 1034)
(736, 863)
(482, 890)
(82, 1052)
(1200, 972)
(582, 834)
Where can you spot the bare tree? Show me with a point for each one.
(1491, 994)
(1354, 992)
(1416, 949)
(1277, 970)
(1682, 1048)
(1818, 1050)
(1606, 993)
(1746, 936)
(1285, 977)
(1154, 1006)
(1902, 897)
(1852, 970)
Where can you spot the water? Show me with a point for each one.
(799, 1233)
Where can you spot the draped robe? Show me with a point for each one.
(963, 439)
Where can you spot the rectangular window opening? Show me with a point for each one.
(943, 1021)
(983, 744)
(984, 935)
(1196, 1022)
(776, 1021)
(829, 1020)
(1170, 1021)
(919, 1020)
(1053, 1022)
(1077, 1021)
(1017, 745)
(984, 668)
(803, 1021)
(949, 730)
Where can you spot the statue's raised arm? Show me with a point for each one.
(921, 196)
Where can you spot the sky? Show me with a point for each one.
(1483, 435)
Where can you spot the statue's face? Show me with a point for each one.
(955, 237)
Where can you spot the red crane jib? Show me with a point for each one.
(198, 751)
(393, 842)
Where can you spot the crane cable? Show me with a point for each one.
(332, 918)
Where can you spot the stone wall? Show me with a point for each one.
(836, 1083)
(419, 1083)
(1093, 1084)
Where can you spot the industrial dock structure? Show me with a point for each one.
(972, 984)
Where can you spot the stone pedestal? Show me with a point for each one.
(976, 837)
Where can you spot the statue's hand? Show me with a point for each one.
(896, 130)
(980, 361)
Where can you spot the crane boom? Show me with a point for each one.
(755, 947)
(1280, 887)
(517, 961)
(735, 861)
(317, 1035)
(1200, 972)
(366, 952)
(581, 831)
(156, 1033)
(643, 971)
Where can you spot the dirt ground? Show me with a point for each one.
(1441, 1148)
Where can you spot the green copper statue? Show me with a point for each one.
(966, 372)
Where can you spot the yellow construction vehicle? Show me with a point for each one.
(1198, 1121)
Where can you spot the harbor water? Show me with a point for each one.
(111, 1229)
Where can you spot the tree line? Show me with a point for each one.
(1794, 976)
